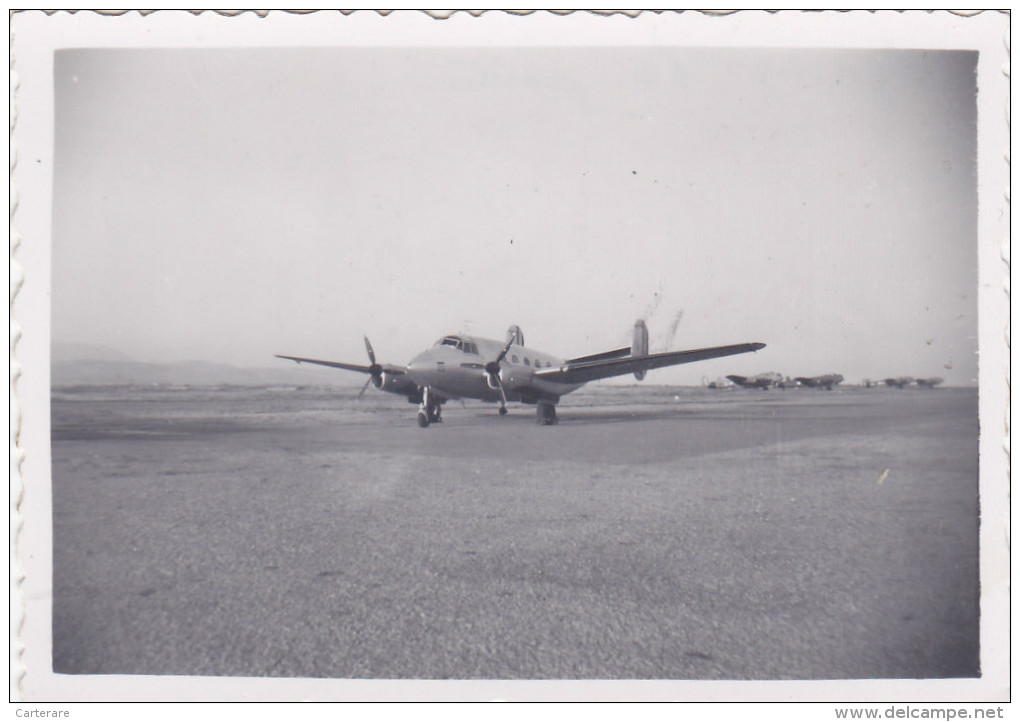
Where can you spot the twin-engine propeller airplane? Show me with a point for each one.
(826, 381)
(761, 381)
(460, 366)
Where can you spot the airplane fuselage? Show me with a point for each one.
(455, 369)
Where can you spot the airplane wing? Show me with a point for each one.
(392, 370)
(581, 371)
(617, 353)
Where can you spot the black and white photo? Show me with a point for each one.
(747, 278)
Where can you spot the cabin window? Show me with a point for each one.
(526, 361)
(514, 359)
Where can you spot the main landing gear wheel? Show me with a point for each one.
(545, 413)
(502, 410)
(430, 415)
(430, 412)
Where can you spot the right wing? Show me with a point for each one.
(387, 368)
(592, 368)
(385, 377)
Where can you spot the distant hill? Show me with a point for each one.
(67, 352)
(103, 372)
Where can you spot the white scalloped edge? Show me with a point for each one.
(17, 668)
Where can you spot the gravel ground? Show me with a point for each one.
(652, 534)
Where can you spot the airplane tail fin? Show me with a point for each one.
(640, 345)
(515, 333)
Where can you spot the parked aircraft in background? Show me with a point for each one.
(827, 382)
(460, 366)
(900, 382)
(761, 381)
(717, 384)
(928, 383)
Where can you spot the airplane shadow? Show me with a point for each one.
(588, 417)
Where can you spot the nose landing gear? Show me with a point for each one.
(430, 411)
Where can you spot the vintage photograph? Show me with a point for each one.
(563, 361)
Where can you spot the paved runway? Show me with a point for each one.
(652, 534)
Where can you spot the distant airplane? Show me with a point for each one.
(460, 366)
(928, 383)
(827, 382)
(717, 384)
(900, 382)
(761, 381)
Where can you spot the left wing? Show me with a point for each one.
(580, 371)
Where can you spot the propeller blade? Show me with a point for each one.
(364, 388)
(502, 354)
(375, 369)
(502, 394)
(492, 368)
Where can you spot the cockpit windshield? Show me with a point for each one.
(458, 343)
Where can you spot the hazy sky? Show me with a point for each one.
(229, 205)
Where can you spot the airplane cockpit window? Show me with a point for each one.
(458, 343)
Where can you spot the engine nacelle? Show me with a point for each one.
(393, 383)
(515, 376)
(640, 345)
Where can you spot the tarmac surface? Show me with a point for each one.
(654, 533)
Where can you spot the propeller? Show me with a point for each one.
(375, 370)
(492, 369)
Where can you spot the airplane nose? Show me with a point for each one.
(419, 367)
(417, 363)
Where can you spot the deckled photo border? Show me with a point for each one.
(35, 37)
